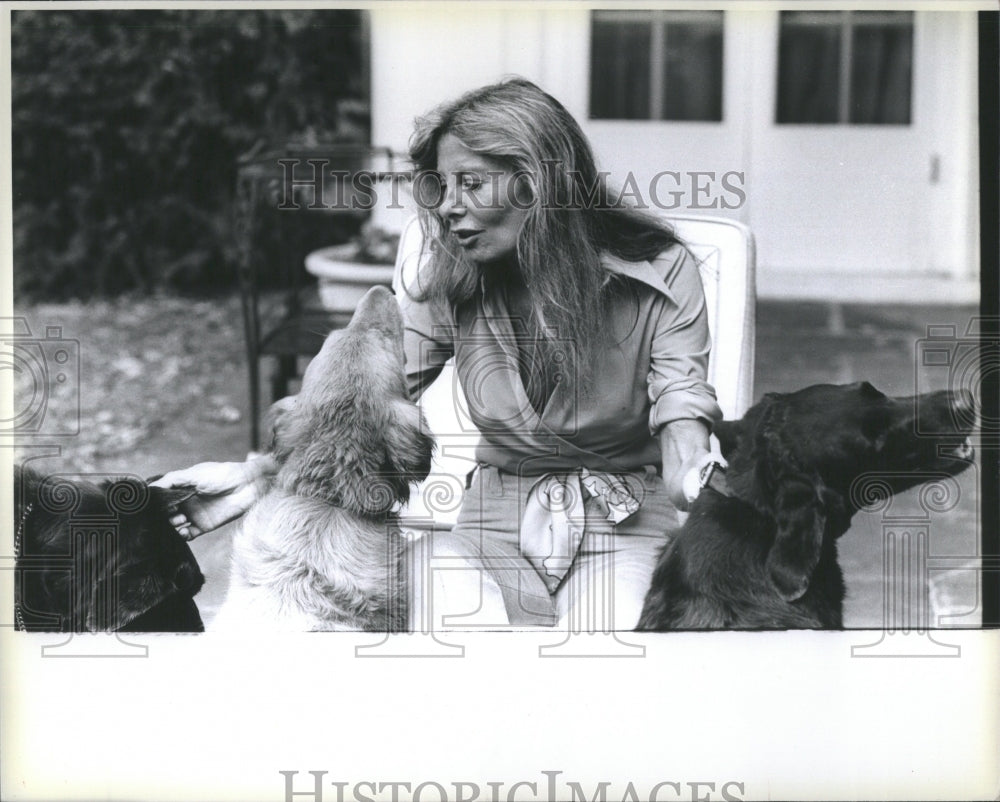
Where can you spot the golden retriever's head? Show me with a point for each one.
(353, 437)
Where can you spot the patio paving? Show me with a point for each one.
(914, 562)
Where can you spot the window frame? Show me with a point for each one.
(658, 21)
(848, 22)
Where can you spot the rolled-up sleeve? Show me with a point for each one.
(680, 346)
(428, 342)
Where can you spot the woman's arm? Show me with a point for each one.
(683, 402)
(223, 491)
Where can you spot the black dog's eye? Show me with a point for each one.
(876, 423)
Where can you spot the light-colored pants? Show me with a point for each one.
(476, 575)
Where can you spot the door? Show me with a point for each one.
(852, 172)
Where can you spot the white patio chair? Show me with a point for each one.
(726, 258)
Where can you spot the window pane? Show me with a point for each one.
(693, 69)
(881, 71)
(619, 68)
(809, 67)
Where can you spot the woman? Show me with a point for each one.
(580, 336)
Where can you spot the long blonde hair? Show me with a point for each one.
(570, 222)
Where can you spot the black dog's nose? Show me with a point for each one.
(963, 402)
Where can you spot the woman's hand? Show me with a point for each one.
(685, 484)
(685, 446)
(223, 491)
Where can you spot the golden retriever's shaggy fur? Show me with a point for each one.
(321, 551)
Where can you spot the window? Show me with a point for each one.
(845, 67)
(656, 65)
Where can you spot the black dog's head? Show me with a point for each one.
(353, 437)
(100, 556)
(796, 456)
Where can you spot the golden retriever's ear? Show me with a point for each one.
(801, 523)
(335, 452)
(409, 444)
(358, 453)
(276, 429)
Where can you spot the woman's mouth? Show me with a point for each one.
(466, 236)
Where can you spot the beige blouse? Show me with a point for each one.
(651, 372)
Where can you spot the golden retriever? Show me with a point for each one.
(321, 549)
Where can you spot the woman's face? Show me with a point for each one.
(483, 205)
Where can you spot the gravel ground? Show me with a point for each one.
(143, 366)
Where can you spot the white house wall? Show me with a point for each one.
(422, 56)
(840, 212)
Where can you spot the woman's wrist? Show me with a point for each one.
(686, 450)
(695, 474)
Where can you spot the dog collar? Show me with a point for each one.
(713, 476)
(18, 615)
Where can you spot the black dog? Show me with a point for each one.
(100, 558)
(763, 555)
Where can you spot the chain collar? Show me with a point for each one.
(18, 533)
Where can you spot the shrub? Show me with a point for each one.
(126, 128)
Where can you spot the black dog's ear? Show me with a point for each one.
(133, 590)
(121, 596)
(170, 497)
(801, 519)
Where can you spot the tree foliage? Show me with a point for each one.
(126, 128)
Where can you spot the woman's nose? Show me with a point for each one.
(452, 204)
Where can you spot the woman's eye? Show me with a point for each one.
(470, 181)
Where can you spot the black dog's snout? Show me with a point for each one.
(964, 403)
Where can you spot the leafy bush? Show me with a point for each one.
(127, 126)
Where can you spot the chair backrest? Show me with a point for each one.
(726, 259)
(724, 250)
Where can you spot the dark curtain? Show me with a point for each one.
(881, 74)
(808, 69)
(619, 70)
(693, 80)
(811, 49)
